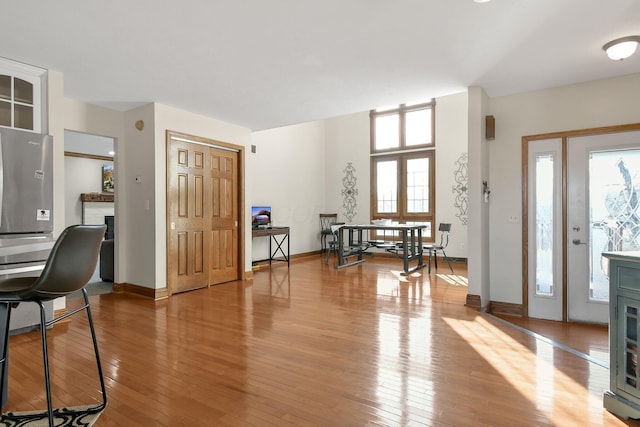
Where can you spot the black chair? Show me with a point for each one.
(326, 221)
(70, 265)
(332, 245)
(433, 248)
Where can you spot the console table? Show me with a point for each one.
(277, 237)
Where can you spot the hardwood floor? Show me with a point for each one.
(315, 346)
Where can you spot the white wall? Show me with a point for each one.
(588, 105)
(82, 175)
(137, 158)
(348, 141)
(289, 175)
(451, 142)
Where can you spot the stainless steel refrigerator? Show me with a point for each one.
(26, 222)
(26, 207)
(26, 183)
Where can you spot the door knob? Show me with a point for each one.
(578, 242)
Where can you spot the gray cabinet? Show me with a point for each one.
(623, 397)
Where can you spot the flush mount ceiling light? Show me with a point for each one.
(621, 48)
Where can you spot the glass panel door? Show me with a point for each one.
(603, 178)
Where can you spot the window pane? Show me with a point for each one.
(387, 186)
(5, 113)
(387, 130)
(5, 87)
(544, 225)
(23, 91)
(23, 117)
(418, 185)
(613, 212)
(418, 127)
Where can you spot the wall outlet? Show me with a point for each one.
(463, 246)
(514, 219)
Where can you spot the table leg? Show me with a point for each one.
(411, 252)
(340, 247)
(405, 255)
(279, 248)
(420, 250)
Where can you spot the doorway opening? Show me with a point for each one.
(90, 163)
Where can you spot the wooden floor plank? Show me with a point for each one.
(310, 345)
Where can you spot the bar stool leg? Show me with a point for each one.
(45, 361)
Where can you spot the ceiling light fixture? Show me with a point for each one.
(482, 1)
(621, 48)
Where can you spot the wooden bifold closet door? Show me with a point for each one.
(202, 209)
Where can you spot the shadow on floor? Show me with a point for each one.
(94, 288)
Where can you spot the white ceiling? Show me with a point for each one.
(269, 63)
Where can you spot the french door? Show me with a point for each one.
(583, 199)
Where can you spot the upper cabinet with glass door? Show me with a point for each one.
(20, 96)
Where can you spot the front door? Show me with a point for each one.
(581, 201)
(603, 184)
(203, 213)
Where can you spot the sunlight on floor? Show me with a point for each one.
(454, 279)
(531, 373)
(398, 275)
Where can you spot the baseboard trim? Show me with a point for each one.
(128, 288)
(505, 308)
(263, 264)
(473, 301)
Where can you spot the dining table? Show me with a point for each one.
(353, 241)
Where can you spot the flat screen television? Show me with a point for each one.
(260, 216)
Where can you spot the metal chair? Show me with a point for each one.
(334, 229)
(70, 265)
(326, 221)
(433, 248)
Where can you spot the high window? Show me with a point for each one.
(403, 163)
